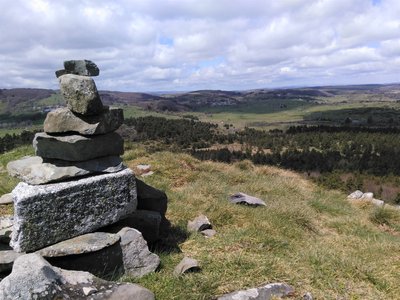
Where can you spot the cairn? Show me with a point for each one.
(77, 182)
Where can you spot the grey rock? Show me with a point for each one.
(63, 120)
(186, 265)
(85, 243)
(377, 202)
(78, 147)
(137, 258)
(199, 223)
(6, 226)
(98, 253)
(131, 292)
(308, 296)
(35, 170)
(6, 222)
(80, 94)
(208, 232)
(150, 198)
(355, 195)
(242, 198)
(6, 199)
(147, 174)
(61, 72)
(81, 67)
(367, 196)
(7, 258)
(146, 221)
(69, 209)
(32, 277)
(266, 292)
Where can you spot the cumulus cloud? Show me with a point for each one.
(152, 45)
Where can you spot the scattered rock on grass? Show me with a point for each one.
(307, 296)
(208, 232)
(266, 292)
(355, 195)
(242, 198)
(200, 223)
(187, 265)
(6, 199)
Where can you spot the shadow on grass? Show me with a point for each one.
(173, 236)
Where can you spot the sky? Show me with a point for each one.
(183, 45)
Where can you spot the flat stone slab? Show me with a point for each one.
(82, 67)
(85, 243)
(78, 147)
(80, 94)
(63, 120)
(242, 198)
(47, 214)
(7, 258)
(267, 292)
(35, 170)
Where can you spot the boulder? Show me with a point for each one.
(146, 221)
(98, 253)
(137, 258)
(81, 67)
(78, 147)
(6, 199)
(355, 195)
(242, 198)
(33, 277)
(200, 223)
(186, 265)
(80, 94)
(377, 202)
(367, 196)
(47, 214)
(267, 292)
(35, 170)
(150, 198)
(63, 120)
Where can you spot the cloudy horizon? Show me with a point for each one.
(182, 45)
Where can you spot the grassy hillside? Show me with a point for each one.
(311, 238)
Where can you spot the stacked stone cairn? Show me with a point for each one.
(78, 205)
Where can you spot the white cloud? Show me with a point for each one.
(145, 45)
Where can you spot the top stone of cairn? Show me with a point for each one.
(81, 67)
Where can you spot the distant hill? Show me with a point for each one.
(28, 100)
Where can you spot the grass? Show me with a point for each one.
(311, 238)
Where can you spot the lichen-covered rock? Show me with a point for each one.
(82, 67)
(78, 147)
(33, 277)
(33, 170)
(80, 94)
(64, 120)
(47, 214)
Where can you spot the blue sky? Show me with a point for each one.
(154, 45)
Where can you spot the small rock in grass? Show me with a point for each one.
(267, 292)
(242, 198)
(6, 199)
(87, 290)
(367, 196)
(200, 223)
(307, 296)
(355, 195)
(378, 202)
(208, 232)
(187, 265)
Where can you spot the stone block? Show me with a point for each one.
(78, 147)
(47, 214)
(150, 198)
(63, 120)
(34, 170)
(81, 67)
